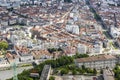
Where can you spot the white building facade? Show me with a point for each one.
(98, 62)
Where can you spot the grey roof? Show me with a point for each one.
(45, 72)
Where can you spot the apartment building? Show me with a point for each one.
(4, 63)
(81, 48)
(98, 62)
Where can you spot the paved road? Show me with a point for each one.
(9, 73)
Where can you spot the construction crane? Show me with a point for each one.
(14, 71)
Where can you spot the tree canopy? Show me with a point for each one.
(51, 50)
(117, 72)
(3, 45)
(78, 55)
(52, 78)
(68, 1)
(64, 63)
(64, 71)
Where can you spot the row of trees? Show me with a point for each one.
(117, 72)
(80, 55)
(68, 1)
(64, 62)
(51, 50)
(96, 16)
(72, 69)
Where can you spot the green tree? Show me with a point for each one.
(52, 78)
(78, 55)
(101, 71)
(55, 71)
(72, 67)
(81, 71)
(64, 71)
(83, 67)
(3, 45)
(74, 72)
(94, 71)
(59, 49)
(25, 78)
(97, 17)
(68, 1)
(51, 50)
(88, 70)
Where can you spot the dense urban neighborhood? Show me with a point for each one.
(60, 39)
